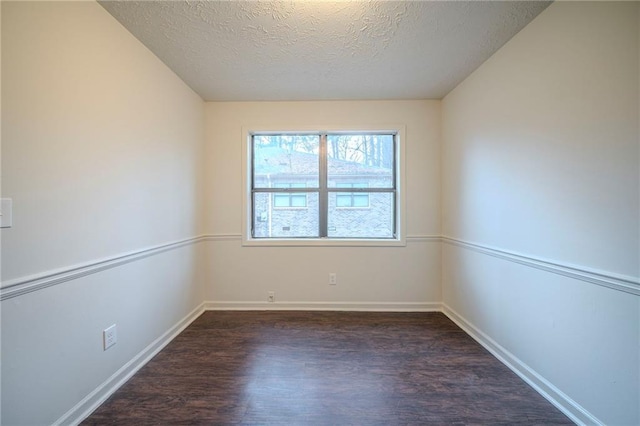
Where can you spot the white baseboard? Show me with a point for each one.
(559, 399)
(325, 306)
(91, 402)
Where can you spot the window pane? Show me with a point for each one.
(280, 200)
(272, 222)
(361, 200)
(343, 200)
(287, 168)
(298, 200)
(277, 157)
(373, 222)
(369, 157)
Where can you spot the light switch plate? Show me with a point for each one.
(6, 212)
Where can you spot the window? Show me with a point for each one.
(323, 185)
(288, 199)
(352, 199)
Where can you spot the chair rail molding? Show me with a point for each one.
(19, 286)
(611, 280)
(27, 284)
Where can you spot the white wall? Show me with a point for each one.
(387, 277)
(541, 158)
(102, 154)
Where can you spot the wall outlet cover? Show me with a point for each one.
(109, 337)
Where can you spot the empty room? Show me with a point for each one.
(320, 212)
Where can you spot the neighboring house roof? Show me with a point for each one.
(277, 161)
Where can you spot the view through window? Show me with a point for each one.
(323, 185)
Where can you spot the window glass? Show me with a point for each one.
(375, 222)
(352, 199)
(270, 222)
(323, 185)
(369, 157)
(278, 157)
(295, 199)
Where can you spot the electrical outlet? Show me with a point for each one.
(109, 337)
(271, 296)
(333, 279)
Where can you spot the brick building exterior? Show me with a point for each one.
(295, 214)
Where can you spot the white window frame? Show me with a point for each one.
(400, 175)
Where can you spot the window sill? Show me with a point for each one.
(324, 242)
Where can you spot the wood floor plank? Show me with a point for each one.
(325, 368)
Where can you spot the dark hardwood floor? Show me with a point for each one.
(325, 368)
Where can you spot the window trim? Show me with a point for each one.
(400, 183)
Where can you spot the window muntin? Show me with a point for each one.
(333, 177)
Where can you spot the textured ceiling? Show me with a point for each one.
(316, 50)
